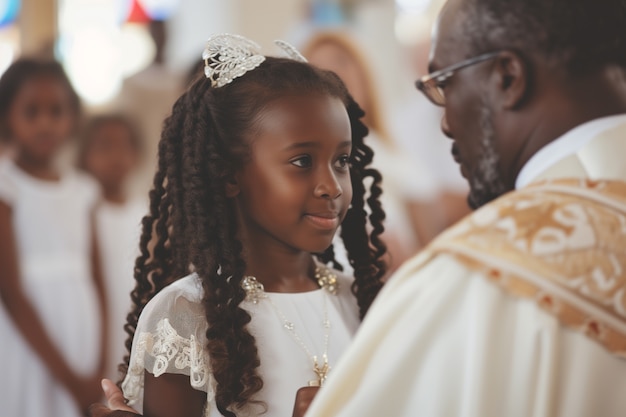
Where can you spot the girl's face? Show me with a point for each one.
(111, 155)
(41, 117)
(295, 189)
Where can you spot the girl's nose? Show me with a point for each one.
(328, 186)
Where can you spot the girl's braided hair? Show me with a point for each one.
(192, 226)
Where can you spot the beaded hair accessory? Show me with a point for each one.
(229, 56)
(290, 50)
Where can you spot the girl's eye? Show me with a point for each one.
(30, 112)
(56, 111)
(343, 162)
(302, 161)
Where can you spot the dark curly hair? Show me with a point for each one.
(22, 71)
(192, 224)
(582, 35)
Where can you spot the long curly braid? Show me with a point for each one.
(192, 225)
(365, 250)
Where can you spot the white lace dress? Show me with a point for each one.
(170, 338)
(52, 223)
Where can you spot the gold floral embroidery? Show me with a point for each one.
(561, 243)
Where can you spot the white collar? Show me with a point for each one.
(565, 145)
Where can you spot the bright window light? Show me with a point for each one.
(9, 46)
(92, 62)
(8, 11)
(413, 6)
(98, 50)
(137, 49)
(410, 28)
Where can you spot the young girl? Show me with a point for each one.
(259, 164)
(51, 315)
(110, 150)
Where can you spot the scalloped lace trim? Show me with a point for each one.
(167, 347)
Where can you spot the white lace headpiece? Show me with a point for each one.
(228, 56)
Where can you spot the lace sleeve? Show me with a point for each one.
(170, 338)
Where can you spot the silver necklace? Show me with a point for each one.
(327, 280)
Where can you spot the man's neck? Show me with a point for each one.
(563, 109)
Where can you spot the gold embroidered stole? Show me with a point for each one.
(561, 243)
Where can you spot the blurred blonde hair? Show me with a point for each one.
(373, 114)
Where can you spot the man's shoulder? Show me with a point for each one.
(539, 219)
(559, 243)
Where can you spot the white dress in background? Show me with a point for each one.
(119, 228)
(52, 226)
(170, 338)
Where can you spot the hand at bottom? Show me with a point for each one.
(115, 400)
(85, 391)
(304, 397)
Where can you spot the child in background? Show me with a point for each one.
(110, 150)
(259, 164)
(53, 321)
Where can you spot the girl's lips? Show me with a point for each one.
(323, 221)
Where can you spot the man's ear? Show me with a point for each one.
(512, 78)
(232, 186)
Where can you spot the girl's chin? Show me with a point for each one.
(322, 246)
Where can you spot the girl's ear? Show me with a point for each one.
(232, 186)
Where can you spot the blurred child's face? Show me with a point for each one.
(41, 117)
(111, 155)
(295, 190)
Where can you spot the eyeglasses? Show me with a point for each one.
(432, 84)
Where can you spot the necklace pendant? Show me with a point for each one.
(320, 371)
(314, 383)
